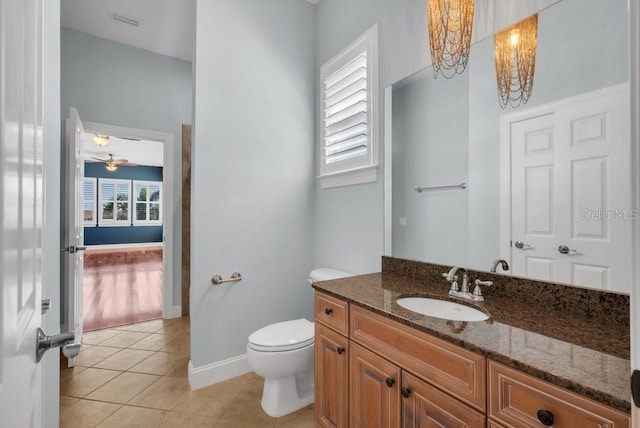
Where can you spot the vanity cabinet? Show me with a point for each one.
(373, 371)
(331, 378)
(374, 399)
(519, 400)
(375, 362)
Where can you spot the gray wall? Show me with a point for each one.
(120, 85)
(252, 171)
(349, 220)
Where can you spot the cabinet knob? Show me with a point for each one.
(545, 417)
(405, 392)
(328, 311)
(340, 350)
(390, 381)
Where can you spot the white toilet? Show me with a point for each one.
(282, 353)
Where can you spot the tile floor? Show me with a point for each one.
(136, 375)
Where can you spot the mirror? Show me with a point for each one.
(448, 132)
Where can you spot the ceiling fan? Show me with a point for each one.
(112, 164)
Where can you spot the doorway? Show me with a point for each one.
(128, 224)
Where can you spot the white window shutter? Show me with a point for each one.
(349, 96)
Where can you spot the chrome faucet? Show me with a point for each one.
(503, 264)
(463, 292)
(451, 277)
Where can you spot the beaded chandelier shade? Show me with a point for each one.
(450, 28)
(515, 51)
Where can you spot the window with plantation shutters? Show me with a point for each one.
(349, 132)
(114, 202)
(89, 202)
(148, 203)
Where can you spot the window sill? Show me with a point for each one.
(364, 175)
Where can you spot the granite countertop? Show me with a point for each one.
(586, 356)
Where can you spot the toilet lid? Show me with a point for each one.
(283, 336)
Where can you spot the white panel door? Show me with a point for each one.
(571, 194)
(74, 223)
(21, 217)
(533, 200)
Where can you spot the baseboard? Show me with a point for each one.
(177, 311)
(199, 377)
(124, 246)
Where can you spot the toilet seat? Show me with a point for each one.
(283, 336)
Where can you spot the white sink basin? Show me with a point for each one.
(441, 309)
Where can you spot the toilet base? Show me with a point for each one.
(281, 396)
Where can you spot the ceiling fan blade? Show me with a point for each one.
(98, 159)
(119, 161)
(127, 138)
(128, 164)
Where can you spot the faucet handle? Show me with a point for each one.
(477, 292)
(477, 282)
(453, 281)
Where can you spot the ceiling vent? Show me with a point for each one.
(125, 19)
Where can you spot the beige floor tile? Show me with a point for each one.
(86, 413)
(246, 410)
(184, 420)
(125, 339)
(223, 392)
(180, 345)
(67, 402)
(93, 355)
(87, 381)
(303, 418)
(125, 327)
(98, 336)
(147, 326)
(181, 369)
(67, 373)
(123, 388)
(124, 360)
(128, 416)
(153, 342)
(202, 405)
(226, 422)
(159, 363)
(163, 394)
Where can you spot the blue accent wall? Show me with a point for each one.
(122, 234)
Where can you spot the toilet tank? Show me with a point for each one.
(325, 274)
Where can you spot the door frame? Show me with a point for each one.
(505, 157)
(634, 82)
(168, 309)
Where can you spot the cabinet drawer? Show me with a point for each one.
(515, 399)
(455, 370)
(332, 312)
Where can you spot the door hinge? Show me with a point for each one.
(46, 305)
(635, 387)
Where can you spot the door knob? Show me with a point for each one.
(340, 350)
(390, 381)
(72, 249)
(45, 342)
(405, 392)
(563, 249)
(521, 245)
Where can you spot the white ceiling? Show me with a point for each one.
(165, 26)
(142, 152)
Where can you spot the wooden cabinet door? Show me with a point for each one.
(424, 406)
(375, 390)
(331, 378)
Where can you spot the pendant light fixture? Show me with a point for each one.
(450, 29)
(100, 139)
(515, 52)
